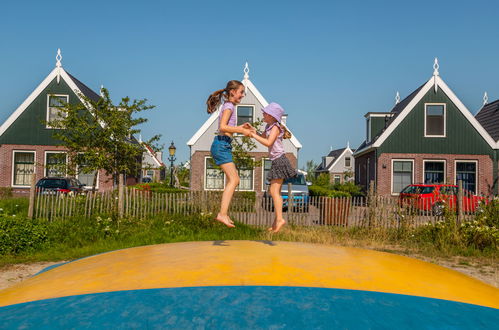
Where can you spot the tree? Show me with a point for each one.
(100, 135)
(310, 167)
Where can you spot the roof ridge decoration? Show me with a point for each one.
(246, 71)
(397, 98)
(58, 64)
(485, 98)
(435, 73)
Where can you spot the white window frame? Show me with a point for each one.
(252, 181)
(45, 160)
(391, 174)
(336, 176)
(445, 120)
(77, 176)
(263, 172)
(245, 105)
(434, 161)
(476, 171)
(204, 175)
(48, 107)
(350, 159)
(13, 164)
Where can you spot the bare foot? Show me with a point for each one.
(273, 226)
(225, 220)
(279, 224)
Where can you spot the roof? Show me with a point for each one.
(335, 154)
(152, 154)
(84, 89)
(488, 117)
(214, 116)
(403, 108)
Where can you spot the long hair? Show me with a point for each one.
(287, 134)
(216, 97)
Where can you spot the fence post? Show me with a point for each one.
(290, 198)
(371, 204)
(32, 196)
(459, 201)
(120, 195)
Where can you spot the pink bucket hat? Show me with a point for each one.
(274, 110)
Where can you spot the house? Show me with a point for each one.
(428, 137)
(153, 167)
(339, 164)
(27, 145)
(206, 176)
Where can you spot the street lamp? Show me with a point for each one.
(172, 158)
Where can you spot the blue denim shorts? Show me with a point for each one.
(221, 150)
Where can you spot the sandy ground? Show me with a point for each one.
(481, 270)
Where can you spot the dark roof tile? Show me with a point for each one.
(488, 117)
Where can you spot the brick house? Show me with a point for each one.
(428, 137)
(152, 164)
(27, 145)
(339, 164)
(205, 176)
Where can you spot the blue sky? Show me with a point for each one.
(327, 62)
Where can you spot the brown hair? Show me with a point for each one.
(287, 134)
(215, 98)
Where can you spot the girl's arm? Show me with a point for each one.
(231, 129)
(274, 133)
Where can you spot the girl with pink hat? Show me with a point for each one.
(280, 168)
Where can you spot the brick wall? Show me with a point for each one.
(6, 163)
(197, 169)
(384, 170)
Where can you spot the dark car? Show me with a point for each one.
(53, 185)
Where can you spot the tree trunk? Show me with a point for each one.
(94, 183)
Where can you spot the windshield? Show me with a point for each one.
(52, 183)
(418, 190)
(297, 180)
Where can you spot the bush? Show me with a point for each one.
(10, 206)
(5, 192)
(349, 187)
(18, 234)
(480, 236)
(159, 188)
(322, 191)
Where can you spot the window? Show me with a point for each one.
(246, 179)
(214, 175)
(54, 102)
(55, 164)
(435, 120)
(85, 175)
(337, 178)
(265, 168)
(244, 114)
(24, 167)
(150, 173)
(466, 171)
(434, 172)
(368, 130)
(347, 161)
(402, 175)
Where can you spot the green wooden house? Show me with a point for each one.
(428, 137)
(27, 145)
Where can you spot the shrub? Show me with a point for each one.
(5, 192)
(18, 234)
(349, 187)
(479, 235)
(322, 191)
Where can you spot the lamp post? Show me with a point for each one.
(172, 158)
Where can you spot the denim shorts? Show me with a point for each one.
(221, 150)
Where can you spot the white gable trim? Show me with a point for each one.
(429, 84)
(13, 117)
(156, 160)
(214, 116)
(339, 157)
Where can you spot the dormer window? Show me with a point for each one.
(244, 114)
(54, 102)
(435, 122)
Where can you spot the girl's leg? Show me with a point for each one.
(275, 192)
(232, 182)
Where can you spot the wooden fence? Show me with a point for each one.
(375, 211)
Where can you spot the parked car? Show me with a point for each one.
(434, 198)
(53, 185)
(146, 179)
(299, 191)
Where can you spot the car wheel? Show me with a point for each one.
(438, 209)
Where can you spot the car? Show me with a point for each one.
(299, 191)
(434, 197)
(63, 185)
(146, 179)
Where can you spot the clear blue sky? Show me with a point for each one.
(326, 62)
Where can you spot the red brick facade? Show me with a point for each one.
(6, 164)
(384, 170)
(198, 169)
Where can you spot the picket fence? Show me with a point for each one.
(374, 211)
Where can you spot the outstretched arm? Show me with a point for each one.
(267, 141)
(225, 128)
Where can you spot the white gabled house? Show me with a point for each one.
(204, 176)
(339, 164)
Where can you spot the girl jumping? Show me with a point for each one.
(280, 169)
(221, 148)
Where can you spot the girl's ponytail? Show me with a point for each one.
(215, 98)
(287, 134)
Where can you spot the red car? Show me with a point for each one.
(434, 198)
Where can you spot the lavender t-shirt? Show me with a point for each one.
(232, 119)
(277, 149)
